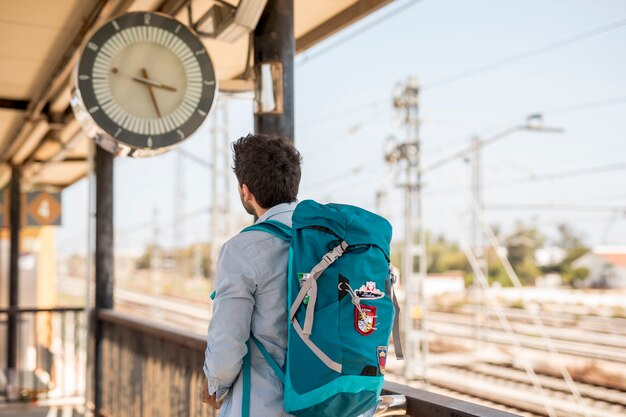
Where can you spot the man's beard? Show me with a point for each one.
(248, 207)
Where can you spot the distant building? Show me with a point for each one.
(446, 282)
(549, 256)
(552, 280)
(606, 265)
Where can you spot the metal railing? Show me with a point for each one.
(155, 370)
(49, 354)
(150, 370)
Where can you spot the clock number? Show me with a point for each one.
(94, 109)
(177, 29)
(206, 82)
(118, 131)
(92, 46)
(146, 19)
(150, 142)
(115, 25)
(83, 77)
(180, 133)
(200, 52)
(201, 112)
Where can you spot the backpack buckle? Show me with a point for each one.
(337, 251)
(392, 275)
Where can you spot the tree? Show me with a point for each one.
(445, 256)
(521, 246)
(574, 246)
(572, 243)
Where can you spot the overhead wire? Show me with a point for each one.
(589, 105)
(525, 54)
(500, 252)
(501, 63)
(504, 322)
(556, 207)
(597, 169)
(541, 177)
(365, 27)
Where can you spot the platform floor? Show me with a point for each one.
(34, 410)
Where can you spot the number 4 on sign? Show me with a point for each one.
(44, 209)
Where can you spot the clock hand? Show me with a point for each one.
(144, 72)
(152, 83)
(148, 81)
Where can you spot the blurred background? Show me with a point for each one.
(491, 134)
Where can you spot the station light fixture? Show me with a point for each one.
(268, 88)
(227, 22)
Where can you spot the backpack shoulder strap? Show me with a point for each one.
(278, 229)
(284, 232)
(280, 374)
(272, 227)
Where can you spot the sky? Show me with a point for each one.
(482, 67)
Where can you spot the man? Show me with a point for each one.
(251, 282)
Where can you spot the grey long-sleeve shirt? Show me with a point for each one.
(251, 296)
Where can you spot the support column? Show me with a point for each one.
(14, 273)
(104, 260)
(274, 42)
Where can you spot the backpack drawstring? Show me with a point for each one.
(356, 300)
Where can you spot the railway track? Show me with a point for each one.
(513, 388)
(187, 314)
(486, 383)
(575, 342)
(596, 324)
(557, 333)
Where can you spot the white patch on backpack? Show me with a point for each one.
(365, 319)
(302, 278)
(369, 291)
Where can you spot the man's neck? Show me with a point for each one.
(260, 211)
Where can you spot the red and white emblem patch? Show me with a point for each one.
(381, 353)
(365, 319)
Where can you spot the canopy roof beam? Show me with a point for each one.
(13, 104)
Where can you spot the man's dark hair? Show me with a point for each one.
(269, 166)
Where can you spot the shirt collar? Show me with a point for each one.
(277, 209)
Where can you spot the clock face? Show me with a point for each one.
(145, 81)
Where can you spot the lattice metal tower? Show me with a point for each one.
(407, 155)
(221, 223)
(180, 225)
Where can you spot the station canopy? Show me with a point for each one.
(40, 42)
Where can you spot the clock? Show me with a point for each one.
(144, 83)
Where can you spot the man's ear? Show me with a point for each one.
(245, 191)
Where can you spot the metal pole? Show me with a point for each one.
(104, 260)
(414, 125)
(406, 102)
(88, 277)
(221, 213)
(477, 241)
(407, 275)
(15, 223)
(274, 42)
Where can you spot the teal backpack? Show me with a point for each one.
(341, 310)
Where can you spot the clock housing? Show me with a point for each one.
(143, 84)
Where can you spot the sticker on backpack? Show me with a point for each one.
(381, 354)
(302, 278)
(365, 319)
(369, 291)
